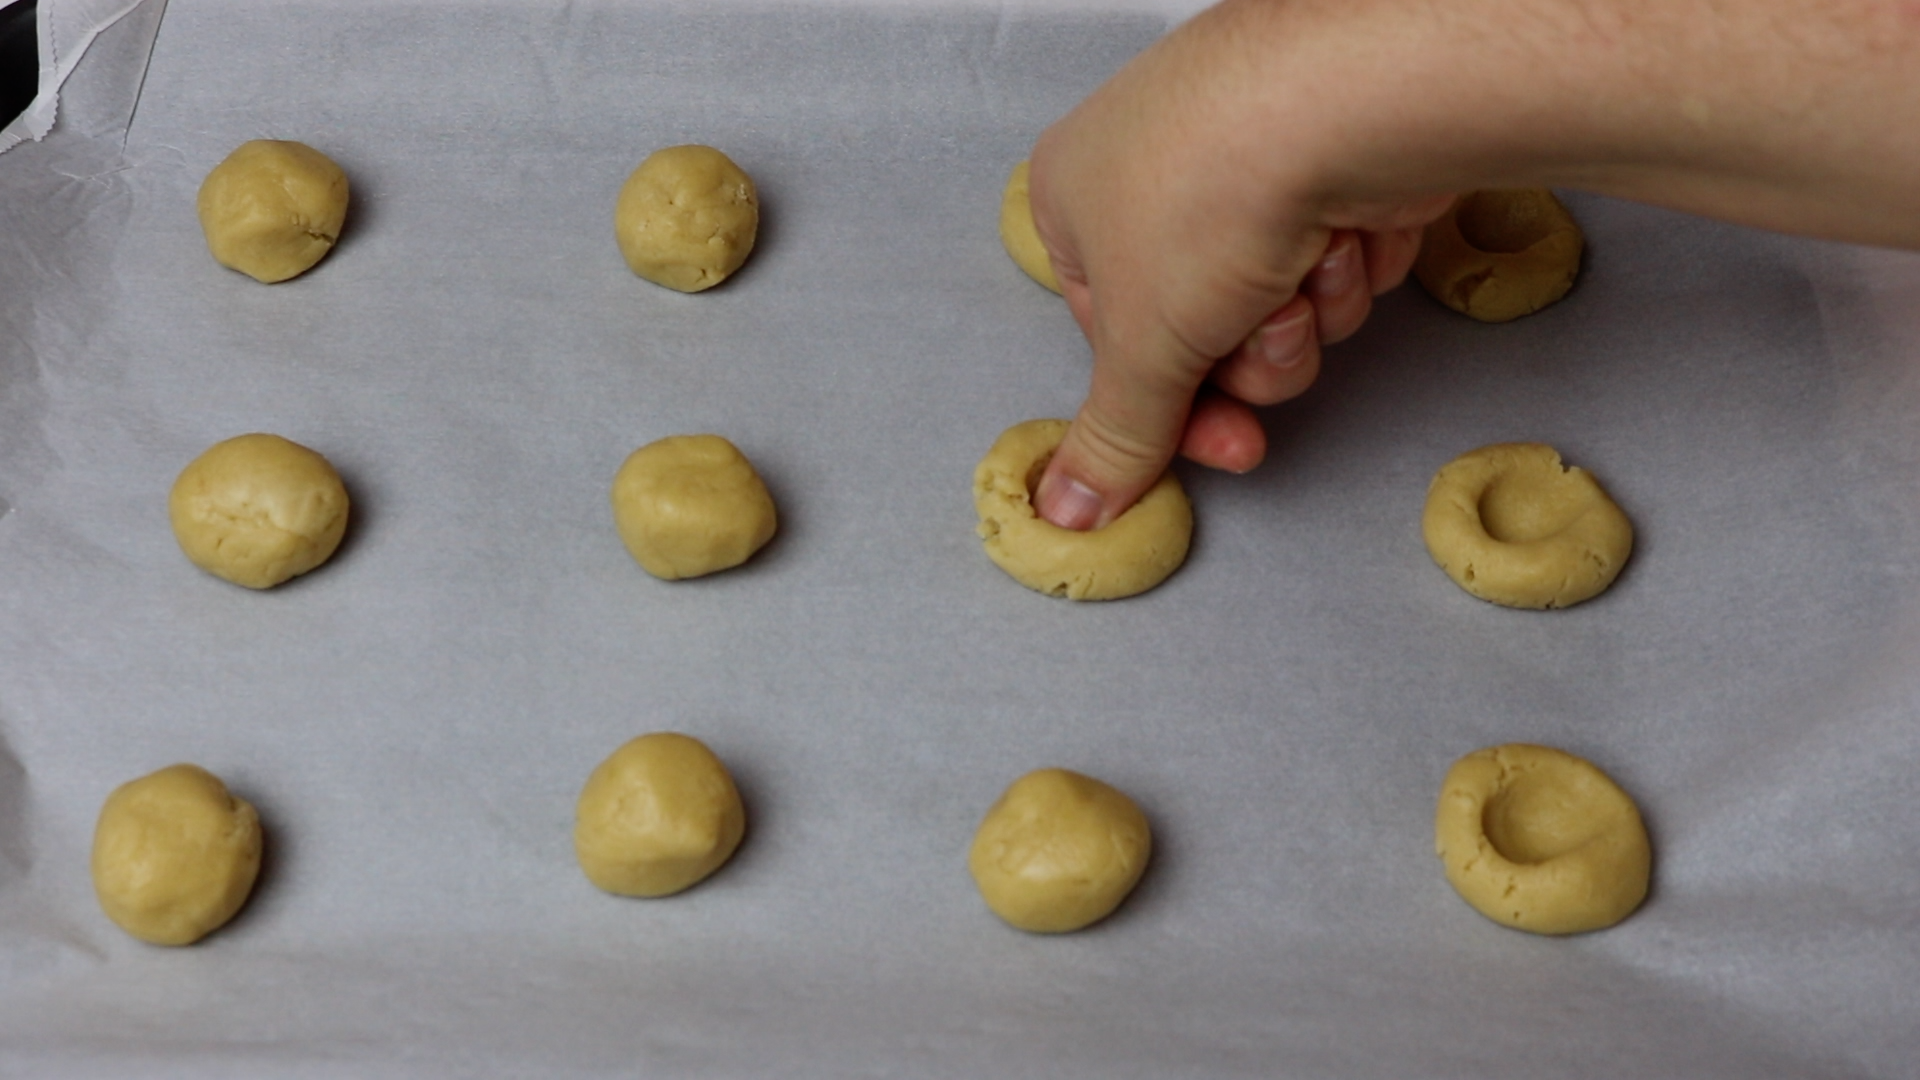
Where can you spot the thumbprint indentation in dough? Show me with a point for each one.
(1512, 525)
(1498, 255)
(1540, 840)
(1503, 222)
(1516, 511)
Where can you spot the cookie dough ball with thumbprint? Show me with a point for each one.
(657, 816)
(1129, 555)
(258, 509)
(1498, 255)
(1540, 840)
(1513, 526)
(175, 855)
(687, 218)
(273, 209)
(1059, 851)
(691, 505)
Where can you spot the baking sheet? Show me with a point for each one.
(414, 720)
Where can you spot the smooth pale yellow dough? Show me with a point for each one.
(690, 505)
(687, 218)
(258, 509)
(273, 209)
(1498, 255)
(1022, 240)
(175, 855)
(1059, 851)
(1131, 554)
(1537, 839)
(657, 817)
(1512, 525)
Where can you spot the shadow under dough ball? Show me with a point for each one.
(1129, 555)
(1540, 840)
(273, 209)
(1498, 255)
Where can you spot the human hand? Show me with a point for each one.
(1206, 279)
(1231, 199)
(1212, 422)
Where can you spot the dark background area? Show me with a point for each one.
(19, 60)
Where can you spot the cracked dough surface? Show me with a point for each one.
(273, 209)
(1059, 851)
(1018, 234)
(1513, 526)
(686, 218)
(258, 509)
(175, 855)
(1131, 554)
(690, 505)
(657, 816)
(1498, 255)
(1540, 840)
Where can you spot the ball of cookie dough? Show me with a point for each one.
(657, 817)
(1498, 255)
(174, 855)
(690, 505)
(686, 218)
(1059, 851)
(258, 509)
(273, 208)
(1129, 555)
(1022, 240)
(1512, 525)
(1537, 839)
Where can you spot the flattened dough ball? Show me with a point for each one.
(1498, 255)
(175, 855)
(1059, 851)
(657, 817)
(1539, 840)
(258, 509)
(1017, 231)
(687, 218)
(273, 209)
(690, 505)
(1512, 525)
(1131, 554)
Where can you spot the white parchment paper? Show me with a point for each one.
(65, 30)
(415, 719)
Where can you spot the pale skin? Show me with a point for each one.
(1234, 197)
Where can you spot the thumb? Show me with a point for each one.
(1117, 446)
